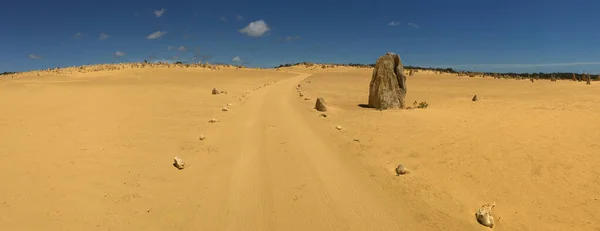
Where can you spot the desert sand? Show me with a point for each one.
(94, 151)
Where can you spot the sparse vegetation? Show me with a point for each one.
(423, 105)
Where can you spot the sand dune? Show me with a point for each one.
(93, 151)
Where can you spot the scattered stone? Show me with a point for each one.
(475, 98)
(321, 105)
(323, 115)
(301, 95)
(401, 170)
(484, 215)
(225, 109)
(339, 127)
(388, 83)
(306, 98)
(213, 120)
(215, 91)
(229, 104)
(201, 137)
(178, 163)
(356, 140)
(224, 92)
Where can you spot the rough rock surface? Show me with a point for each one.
(484, 215)
(178, 163)
(401, 170)
(321, 105)
(388, 83)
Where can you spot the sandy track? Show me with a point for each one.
(276, 173)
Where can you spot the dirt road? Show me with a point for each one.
(275, 172)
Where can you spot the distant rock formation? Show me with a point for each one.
(388, 83)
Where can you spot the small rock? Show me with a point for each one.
(323, 115)
(484, 215)
(178, 163)
(401, 170)
(215, 91)
(306, 98)
(356, 140)
(224, 92)
(202, 137)
(229, 104)
(213, 120)
(475, 98)
(301, 95)
(225, 109)
(339, 127)
(321, 105)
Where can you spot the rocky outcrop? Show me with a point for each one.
(388, 83)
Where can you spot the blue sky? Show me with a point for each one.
(479, 35)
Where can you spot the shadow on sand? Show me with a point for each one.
(364, 105)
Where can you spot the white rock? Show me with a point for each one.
(484, 215)
(201, 137)
(178, 163)
(229, 104)
(339, 127)
(401, 170)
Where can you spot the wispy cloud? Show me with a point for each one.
(524, 65)
(103, 36)
(413, 25)
(394, 23)
(223, 19)
(78, 35)
(34, 56)
(156, 35)
(170, 48)
(160, 12)
(290, 38)
(119, 54)
(255, 29)
(239, 18)
(236, 59)
(182, 49)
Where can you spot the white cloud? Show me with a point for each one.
(119, 54)
(34, 56)
(236, 59)
(156, 35)
(413, 25)
(103, 36)
(223, 19)
(255, 29)
(289, 38)
(78, 35)
(171, 48)
(160, 12)
(182, 49)
(394, 23)
(239, 17)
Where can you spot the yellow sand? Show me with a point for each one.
(94, 151)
